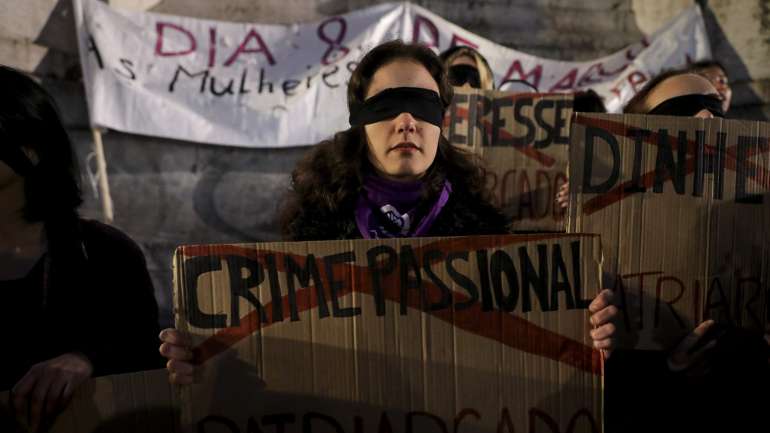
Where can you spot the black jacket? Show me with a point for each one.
(103, 306)
(643, 395)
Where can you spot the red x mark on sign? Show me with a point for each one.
(528, 150)
(760, 175)
(500, 326)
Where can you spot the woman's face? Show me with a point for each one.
(718, 78)
(468, 82)
(404, 147)
(464, 60)
(680, 85)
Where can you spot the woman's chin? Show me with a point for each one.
(403, 175)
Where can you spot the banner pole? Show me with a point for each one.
(104, 186)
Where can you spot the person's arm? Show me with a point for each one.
(47, 388)
(125, 305)
(637, 383)
(141, 318)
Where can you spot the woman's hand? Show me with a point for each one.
(562, 196)
(692, 350)
(48, 387)
(603, 315)
(176, 347)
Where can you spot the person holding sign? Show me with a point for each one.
(677, 93)
(700, 384)
(468, 68)
(77, 298)
(716, 73)
(587, 101)
(392, 174)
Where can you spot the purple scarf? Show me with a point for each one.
(388, 209)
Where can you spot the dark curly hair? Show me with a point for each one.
(327, 182)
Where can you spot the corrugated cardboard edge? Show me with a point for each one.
(179, 269)
(183, 393)
(570, 217)
(599, 260)
(137, 401)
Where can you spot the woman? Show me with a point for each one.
(392, 174)
(702, 383)
(677, 93)
(716, 73)
(77, 298)
(587, 101)
(468, 68)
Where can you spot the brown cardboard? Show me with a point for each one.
(405, 370)
(765, 225)
(348, 363)
(523, 140)
(133, 402)
(694, 252)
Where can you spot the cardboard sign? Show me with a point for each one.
(678, 205)
(134, 402)
(483, 334)
(522, 138)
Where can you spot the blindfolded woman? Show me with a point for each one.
(392, 174)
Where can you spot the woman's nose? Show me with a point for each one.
(405, 122)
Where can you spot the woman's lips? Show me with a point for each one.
(406, 147)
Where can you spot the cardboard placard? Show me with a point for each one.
(475, 334)
(678, 205)
(522, 139)
(132, 402)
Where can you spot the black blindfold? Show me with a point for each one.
(461, 74)
(689, 105)
(421, 103)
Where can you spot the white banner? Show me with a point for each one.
(260, 85)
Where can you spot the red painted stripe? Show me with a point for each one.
(506, 328)
(595, 204)
(537, 155)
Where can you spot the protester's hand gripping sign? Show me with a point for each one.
(432, 334)
(522, 139)
(678, 205)
(483, 334)
(133, 402)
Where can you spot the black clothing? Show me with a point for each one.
(643, 395)
(103, 307)
(463, 215)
